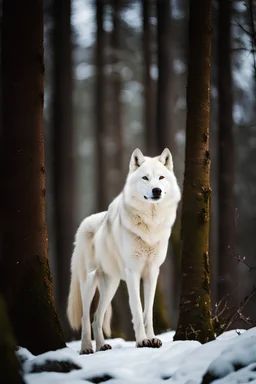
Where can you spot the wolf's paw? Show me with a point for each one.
(156, 343)
(86, 351)
(105, 347)
(145, 343)
(150, 343)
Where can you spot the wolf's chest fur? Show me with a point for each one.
(143, 249)
(148, 229)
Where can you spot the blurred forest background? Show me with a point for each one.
(116, 80)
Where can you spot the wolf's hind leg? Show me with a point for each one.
(107, 288)
(88, 291)
(149, 287)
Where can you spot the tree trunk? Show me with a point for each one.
(195, 306)
(165, 132)
(100, 115)
(122, 325)
(63, 152)
(25, 277)
(10, 368)
(149, 108)
(163, 114)
(151, 132)
(226, 207)
(116, 100)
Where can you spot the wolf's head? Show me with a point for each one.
(151, 179)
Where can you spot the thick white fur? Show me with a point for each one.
(129, 241)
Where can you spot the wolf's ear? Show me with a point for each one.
(166, 159)
(137, 159)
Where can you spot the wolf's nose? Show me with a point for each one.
(156, 192)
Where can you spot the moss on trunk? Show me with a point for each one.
(195, 306)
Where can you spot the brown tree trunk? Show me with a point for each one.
(122, 324)
(63, 152)
(195, 305)
(24, 274)
(164, 130)
(149, 102)
(151, 131)
(100, 115)
(10, 368)
(116, 101)
(226, 207)
(163, 113)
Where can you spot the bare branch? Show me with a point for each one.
(253, 32)
(243, 29)
(242, 260)
(238, 313)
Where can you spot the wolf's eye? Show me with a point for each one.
(161, 177)
(145, 178)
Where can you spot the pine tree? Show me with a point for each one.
(10, 368)
(24, 272)
(63, 152)
(100, 115)
(121, 321)
(149, 91)
(163, 113)
(226, 204)
(116, 101)
(195, 305)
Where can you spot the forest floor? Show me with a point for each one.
(231, 357)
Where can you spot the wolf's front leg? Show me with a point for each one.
(149, 287)
(133, 285)
(107, 288)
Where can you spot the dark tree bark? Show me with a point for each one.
(195, 306)
(226, 206)
(116, 102)
(163, 112)
(24, 272)
(121, 318)
(164, 130)
(10, 368)
(149, 108)
(151, 130)
(63, 152)
(100, 115)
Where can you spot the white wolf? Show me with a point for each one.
(129, 241)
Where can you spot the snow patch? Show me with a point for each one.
(240, 353)
(179, 362)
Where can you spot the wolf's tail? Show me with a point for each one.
(78, 272)
(107, 322)
(74, 310)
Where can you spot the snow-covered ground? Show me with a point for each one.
(231, 358)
